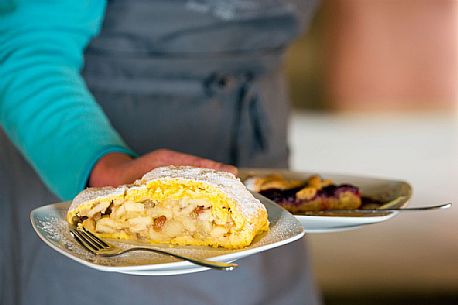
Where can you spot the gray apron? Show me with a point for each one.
(201, 78)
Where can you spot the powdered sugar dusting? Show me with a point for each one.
(95, 193)
(227, 183)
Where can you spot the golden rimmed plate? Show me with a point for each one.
(51, 226)
(392, 193)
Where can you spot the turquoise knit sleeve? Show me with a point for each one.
(45, 108)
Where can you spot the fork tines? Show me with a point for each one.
(101, 248)
(88, 240)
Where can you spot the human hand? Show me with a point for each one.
(117, 168)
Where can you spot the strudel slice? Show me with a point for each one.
(174, 205)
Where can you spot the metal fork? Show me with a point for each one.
(382, 210)
(99, 247)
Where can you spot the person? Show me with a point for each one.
(198, 78)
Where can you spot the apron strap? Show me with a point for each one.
(247, 106)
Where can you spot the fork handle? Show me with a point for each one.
(201, 262)
(377, 211)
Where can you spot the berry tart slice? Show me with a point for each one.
(313, 194)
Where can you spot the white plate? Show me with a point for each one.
(325, 224)
(50, 224)
(394, 193)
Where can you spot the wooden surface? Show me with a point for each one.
(412, 253)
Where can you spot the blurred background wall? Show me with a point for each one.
(377, 55)
(374, 86)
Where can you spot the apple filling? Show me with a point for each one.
(159, 221)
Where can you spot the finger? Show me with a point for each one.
(219, 166)
(207, 163)
(170, 157)
(189, 160)
(229, 168)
